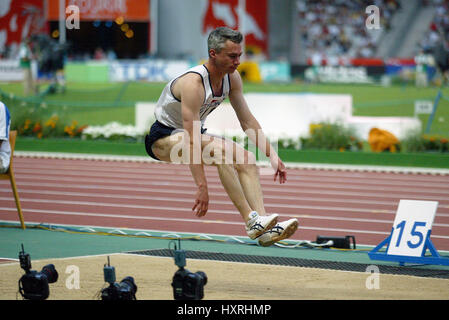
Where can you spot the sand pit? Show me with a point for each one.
(226, 280)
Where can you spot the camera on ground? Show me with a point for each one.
(33, 285)
(187, 285)
(124, 290)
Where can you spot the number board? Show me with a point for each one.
(423, 107)
(411, 225)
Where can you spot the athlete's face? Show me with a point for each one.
(228, 59)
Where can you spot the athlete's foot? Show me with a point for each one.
(257, 225)
(280, 231)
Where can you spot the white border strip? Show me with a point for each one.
(314, 166)
(166, 233)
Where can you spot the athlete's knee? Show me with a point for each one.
(247, 163)
(249, 158)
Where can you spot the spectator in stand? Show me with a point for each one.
(99, 54)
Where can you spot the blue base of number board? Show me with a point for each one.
(434, 259)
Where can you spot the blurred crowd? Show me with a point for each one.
(336, 28)
(438, 32)
(331, 30)
(434, 47)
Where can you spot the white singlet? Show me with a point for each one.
(5, 148)
(168, 108)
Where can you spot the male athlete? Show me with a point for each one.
(180, 114)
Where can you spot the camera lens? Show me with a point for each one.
(50, 272)
(202, 276)
(129, 282)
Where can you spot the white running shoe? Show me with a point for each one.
(279, 232)
(257, 225)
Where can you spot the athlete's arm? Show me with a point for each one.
(191, 93)
(252, 128)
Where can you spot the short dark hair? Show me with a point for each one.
(220, 35)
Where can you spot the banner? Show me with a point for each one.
(20, 19)
(273, 71)
(104, 10)
(221, 13)
(10, 70)
(154, 70)
(337, 74)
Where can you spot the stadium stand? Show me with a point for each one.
(436, 38)
(438, 29)
(326, 33)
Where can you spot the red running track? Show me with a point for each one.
(155, 196)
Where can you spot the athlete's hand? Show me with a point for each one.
(280, 169)
(201, 202)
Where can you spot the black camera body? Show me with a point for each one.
(188, 285)
(33, 285)
(125, 290)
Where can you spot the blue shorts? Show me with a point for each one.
(158, 131)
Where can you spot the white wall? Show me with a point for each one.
(284, 115)
(290, 115)
(399, 126)
(144, 115)
(287, 115)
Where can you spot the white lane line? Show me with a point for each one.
(134, 206)
(172, 181)
(174, 194)
(228, 212)
(146, 159)
(367, 183)
(188, 201)
(121, 216)
(393, 180)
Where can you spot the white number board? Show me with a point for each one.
(410, 228)
(423, 107)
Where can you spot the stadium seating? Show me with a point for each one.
(439, 27)
(332, 29)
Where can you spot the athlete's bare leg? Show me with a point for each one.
(243, 163)
(236, 168)
(249, 180)
(231, 184)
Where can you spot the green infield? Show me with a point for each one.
(96, 100)
(101, 103)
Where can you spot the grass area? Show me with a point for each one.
(425, 160)
(368, 100)
(100, 103)
(428, 160)
(90, 104)
(81, 146)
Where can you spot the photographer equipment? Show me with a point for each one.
(187, 285)
(338, 242)
(125, 290)
(33, 285)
